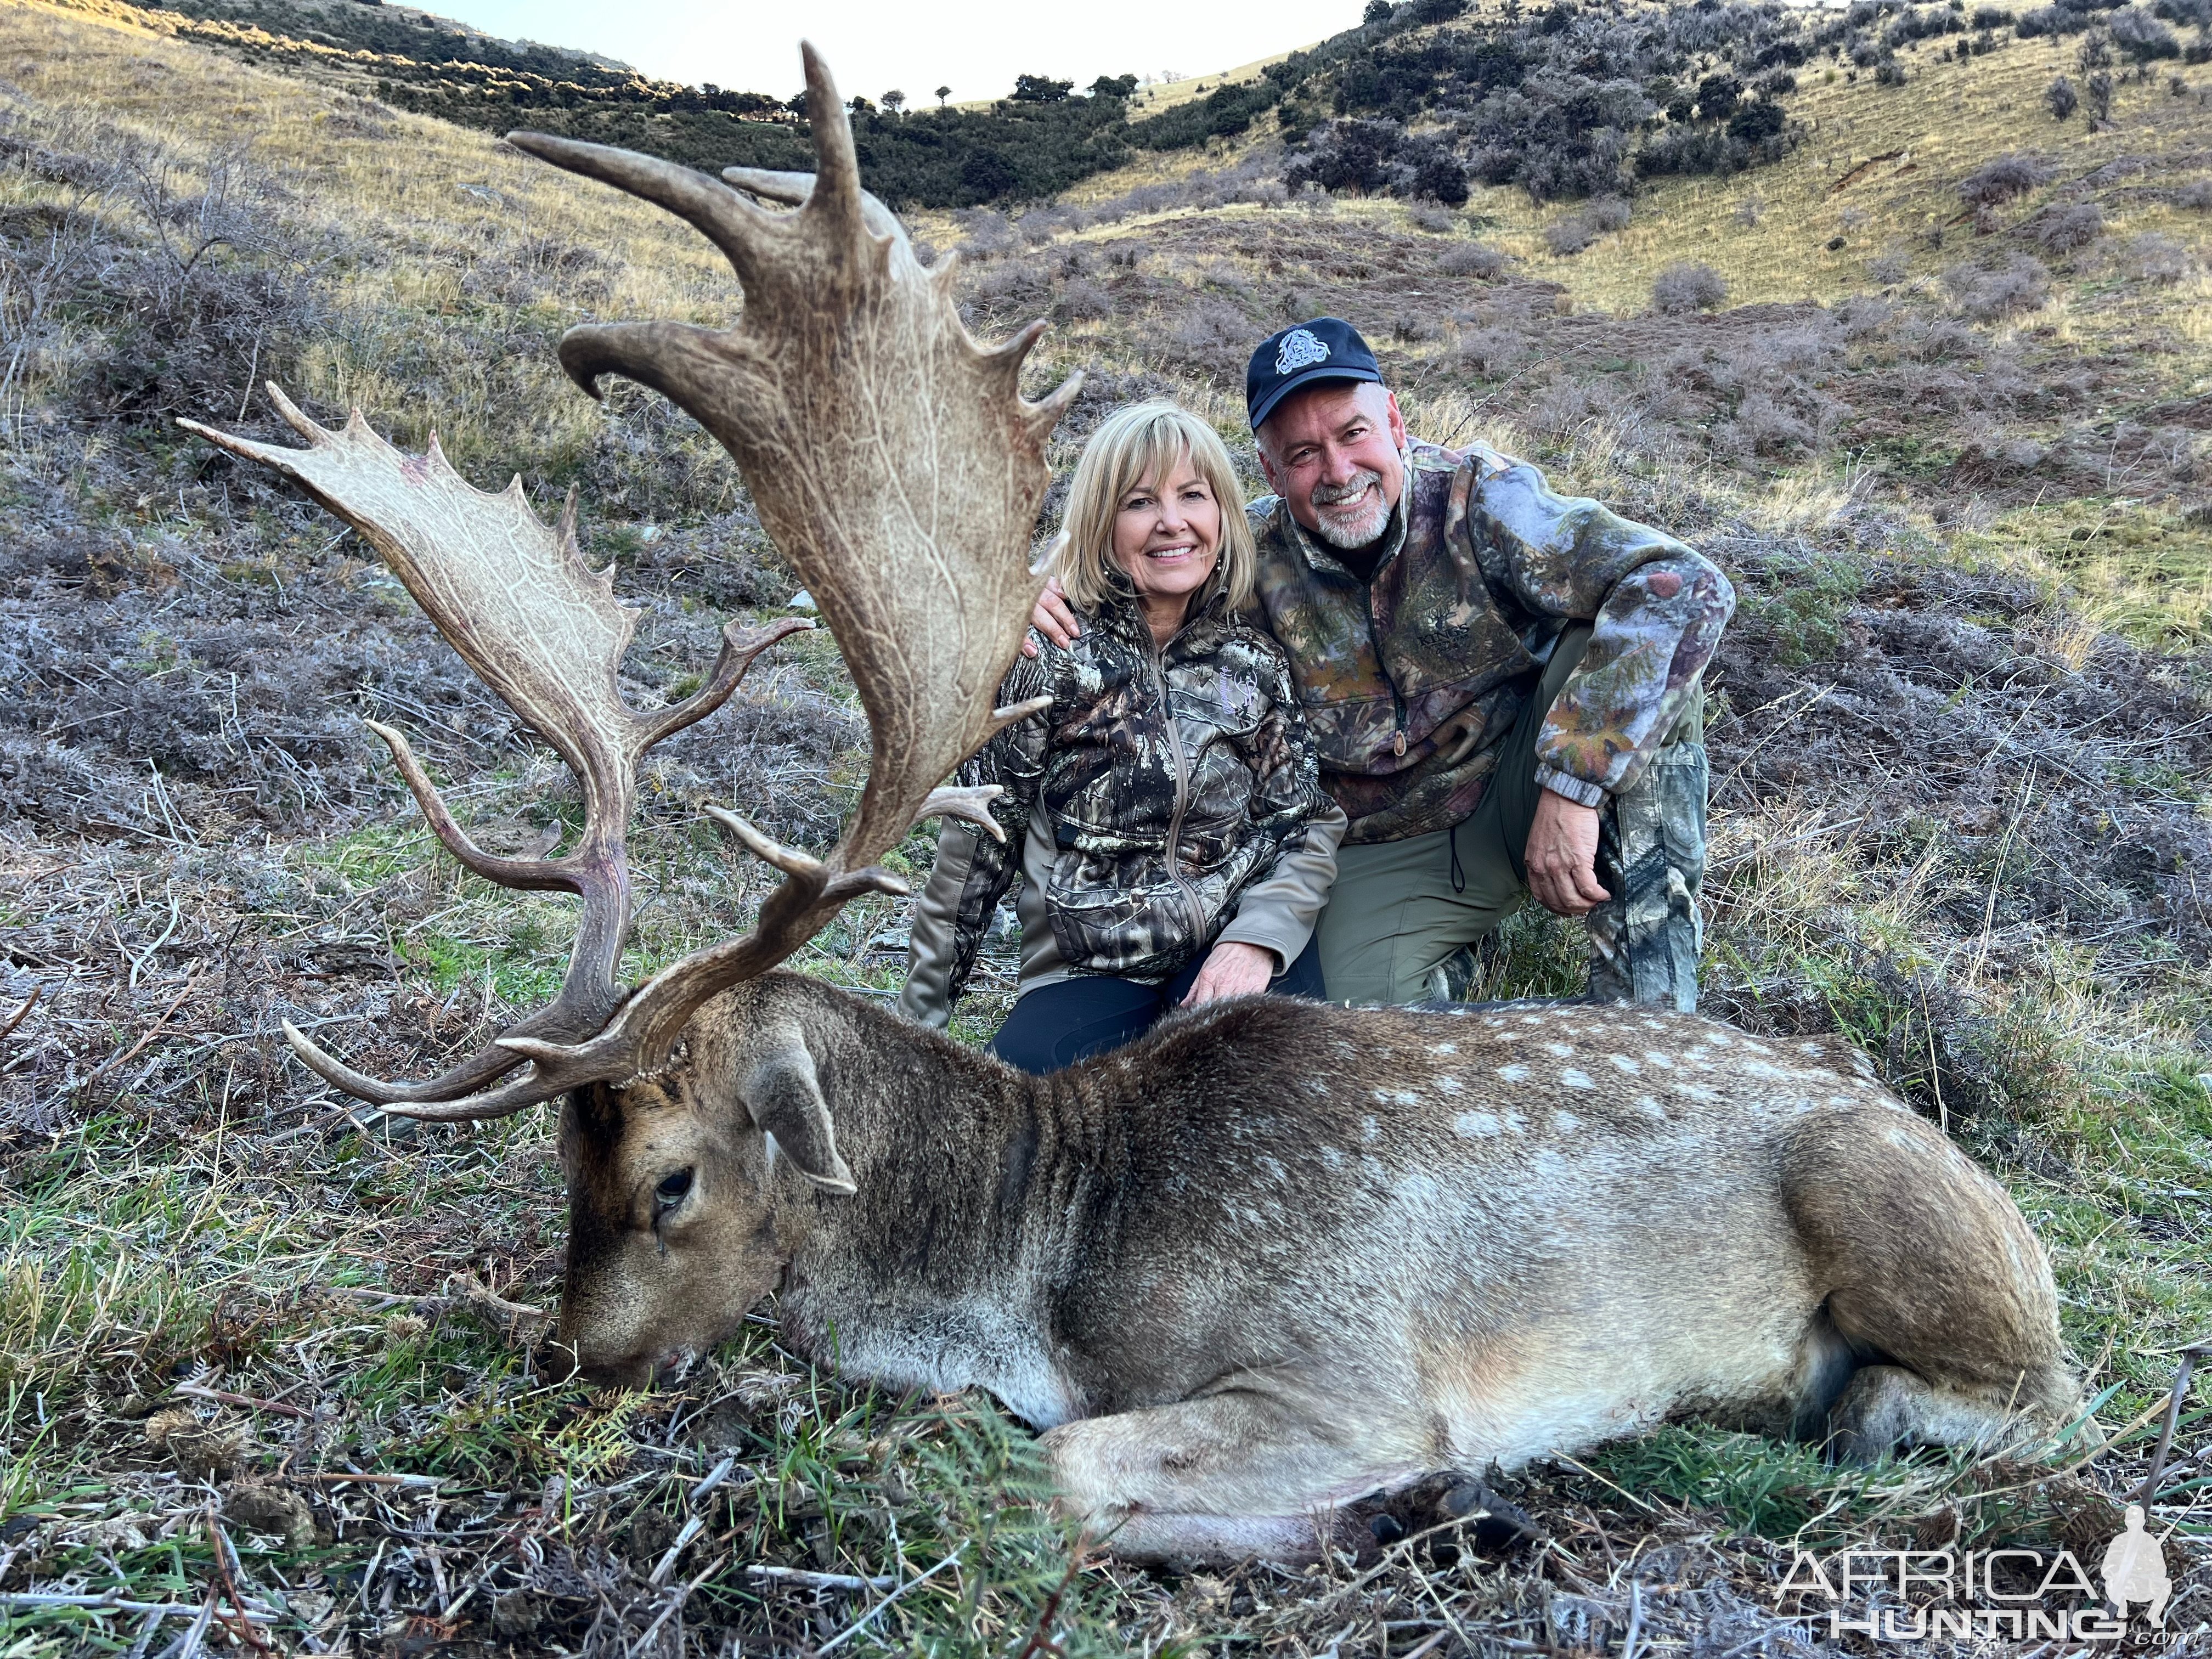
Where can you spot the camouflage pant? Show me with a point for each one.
(1406, 916)
(1646, 940)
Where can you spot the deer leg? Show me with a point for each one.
(1228, 1476)
(1886, 1407)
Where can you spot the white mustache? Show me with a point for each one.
(1336, 494)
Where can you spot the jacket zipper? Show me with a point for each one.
(1154, 660)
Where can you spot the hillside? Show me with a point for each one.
(1568, 102)
(1933, 382)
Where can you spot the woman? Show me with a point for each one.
(1165, 813)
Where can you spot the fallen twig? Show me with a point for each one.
(844, 1581)
(352, 1478)
(192, 978)
(676, 1606)
(197, 1392)
(2189, 1356)
(242, 1620)
(869, 1617)
(1038, 1641)
(100, 1603)
(30, 1003)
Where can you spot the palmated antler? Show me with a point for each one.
(515, 598)
(898, 469)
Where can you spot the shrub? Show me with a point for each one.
(2142, 36)
(2060, 97)
(1576, 232)
(2003, 179)
(2020, 284)
(2064, 230)
(2159, 259)
(1489, 350)
(1756, 121)
(1685, 286)
(1084, 300)
(1472, 259)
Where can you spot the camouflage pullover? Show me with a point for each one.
(1168, 799)
(1410, 681)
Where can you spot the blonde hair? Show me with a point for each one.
(1146, 441)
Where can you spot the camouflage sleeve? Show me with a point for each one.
(973, 871)
(1298, 820)
(1657, 607)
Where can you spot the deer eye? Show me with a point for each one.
(671, 1190)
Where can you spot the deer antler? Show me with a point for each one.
(517, 601)
(897, 467)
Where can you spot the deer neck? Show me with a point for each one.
(942, 1269)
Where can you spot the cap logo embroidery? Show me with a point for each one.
(1300, 349)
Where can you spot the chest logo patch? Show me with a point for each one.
(1301, 349)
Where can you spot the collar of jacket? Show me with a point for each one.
(1123, 618)
(1320, 556)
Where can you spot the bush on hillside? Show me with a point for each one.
(1473, 260)
(1685, 286)
(2062, 230)
(1377, 158)
(2004, 179)
(2018, 283)
(2060, 97)
(1576, 232)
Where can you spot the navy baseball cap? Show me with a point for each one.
(1325, 348)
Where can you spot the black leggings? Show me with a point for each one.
(1072, 1019)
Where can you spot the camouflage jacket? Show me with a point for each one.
(1168, 799)
(1410, 682)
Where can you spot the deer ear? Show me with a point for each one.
(785, 1099)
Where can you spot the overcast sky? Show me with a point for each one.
(975, 46)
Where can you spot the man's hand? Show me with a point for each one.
(1232, 970)
(1054, 618)
(1563, 856)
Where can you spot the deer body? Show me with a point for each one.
(1277, 1256)
(1271, 1257)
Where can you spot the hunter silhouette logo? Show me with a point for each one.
(2135, 1571)
(1301, 349)
(2022, 1593)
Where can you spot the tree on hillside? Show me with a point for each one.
(1114, 86)
(895, 101)
(1041, 89)
(941, 95)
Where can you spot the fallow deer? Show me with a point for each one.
(1272, 1257)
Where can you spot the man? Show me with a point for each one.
(1504, 685)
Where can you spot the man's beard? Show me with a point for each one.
(1360, 529)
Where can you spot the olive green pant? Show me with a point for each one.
(1402, 911)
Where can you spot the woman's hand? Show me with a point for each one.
(1232, 970)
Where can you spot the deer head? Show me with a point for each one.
(898, 468)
